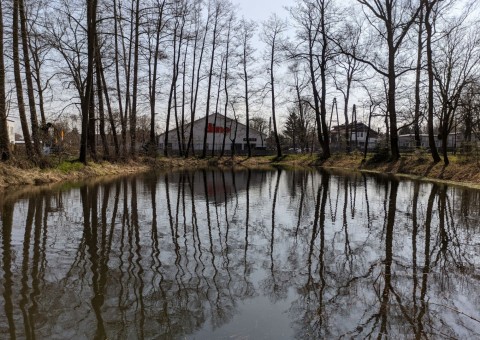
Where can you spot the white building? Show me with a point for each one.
(11, 131)
(219, 128)
(358, 135)
(408, 140)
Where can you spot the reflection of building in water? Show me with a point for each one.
(218, 186)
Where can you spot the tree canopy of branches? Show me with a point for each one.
(114, 63)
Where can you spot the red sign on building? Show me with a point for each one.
(217, 129)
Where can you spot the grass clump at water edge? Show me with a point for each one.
(70, 166)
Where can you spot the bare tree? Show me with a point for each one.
(348, 68)
(18, 82)
(154, 56)
(196, 67)
(313, 20)
(178, 37)
(272, 36)
(429, 5)
(455, 65)
(217, 12)
(228, 52)
(418, 72)
(28, 76)
(392, 20)
(247, 31)
(4, 140)
(88, 98)
(133, 114)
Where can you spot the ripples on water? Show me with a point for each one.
(241, 255)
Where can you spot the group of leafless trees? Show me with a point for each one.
(414, 61)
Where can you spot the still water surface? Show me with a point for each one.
(241, 255)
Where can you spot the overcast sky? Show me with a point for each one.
(260, 10)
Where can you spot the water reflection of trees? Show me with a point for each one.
(170, 254)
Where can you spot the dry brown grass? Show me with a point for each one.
(417, 166)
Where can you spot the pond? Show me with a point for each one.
(250, 254)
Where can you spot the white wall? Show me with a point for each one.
(235, 133)
(11, 131)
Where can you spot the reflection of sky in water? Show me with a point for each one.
(183, 255)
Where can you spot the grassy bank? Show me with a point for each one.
(415, 165)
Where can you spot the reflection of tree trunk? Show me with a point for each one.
(312, 240)
(392, 206)
(27, 320)
(416, 189)
(249, 172)
(173, 230)
(90, 223)
(138, 262)
(348, 249)
(39, 256)
(300, 205)
(272, 237)
(319, 229)
(154, 236)
(369, 221)
(426, 266)
(325, 185)
(444, 238)
(7, 221)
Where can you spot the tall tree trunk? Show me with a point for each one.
(101, 110)
(87, 98)
(117, 78)
(184, 96)
(315, 93)
(216, 104)
(227, 55)
(274, 116)
(92, 122)
(127, 65)
(172, 88)
(37, 66)
(4, 140)
(133, 115)
(209, 86)
(175, 96)
(28, 76)
(368, 133)
(416, 123)
(323, 76)
(111, 119)
(431, 133)
(153, 86)
(348, 135)
(194, 97)
(18, 84)
(392, 111)
(247, 106)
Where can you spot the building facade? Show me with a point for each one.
(407, 141)
(11, 131)
(358, 135)
(220, 130)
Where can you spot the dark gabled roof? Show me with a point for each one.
(353, 127)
